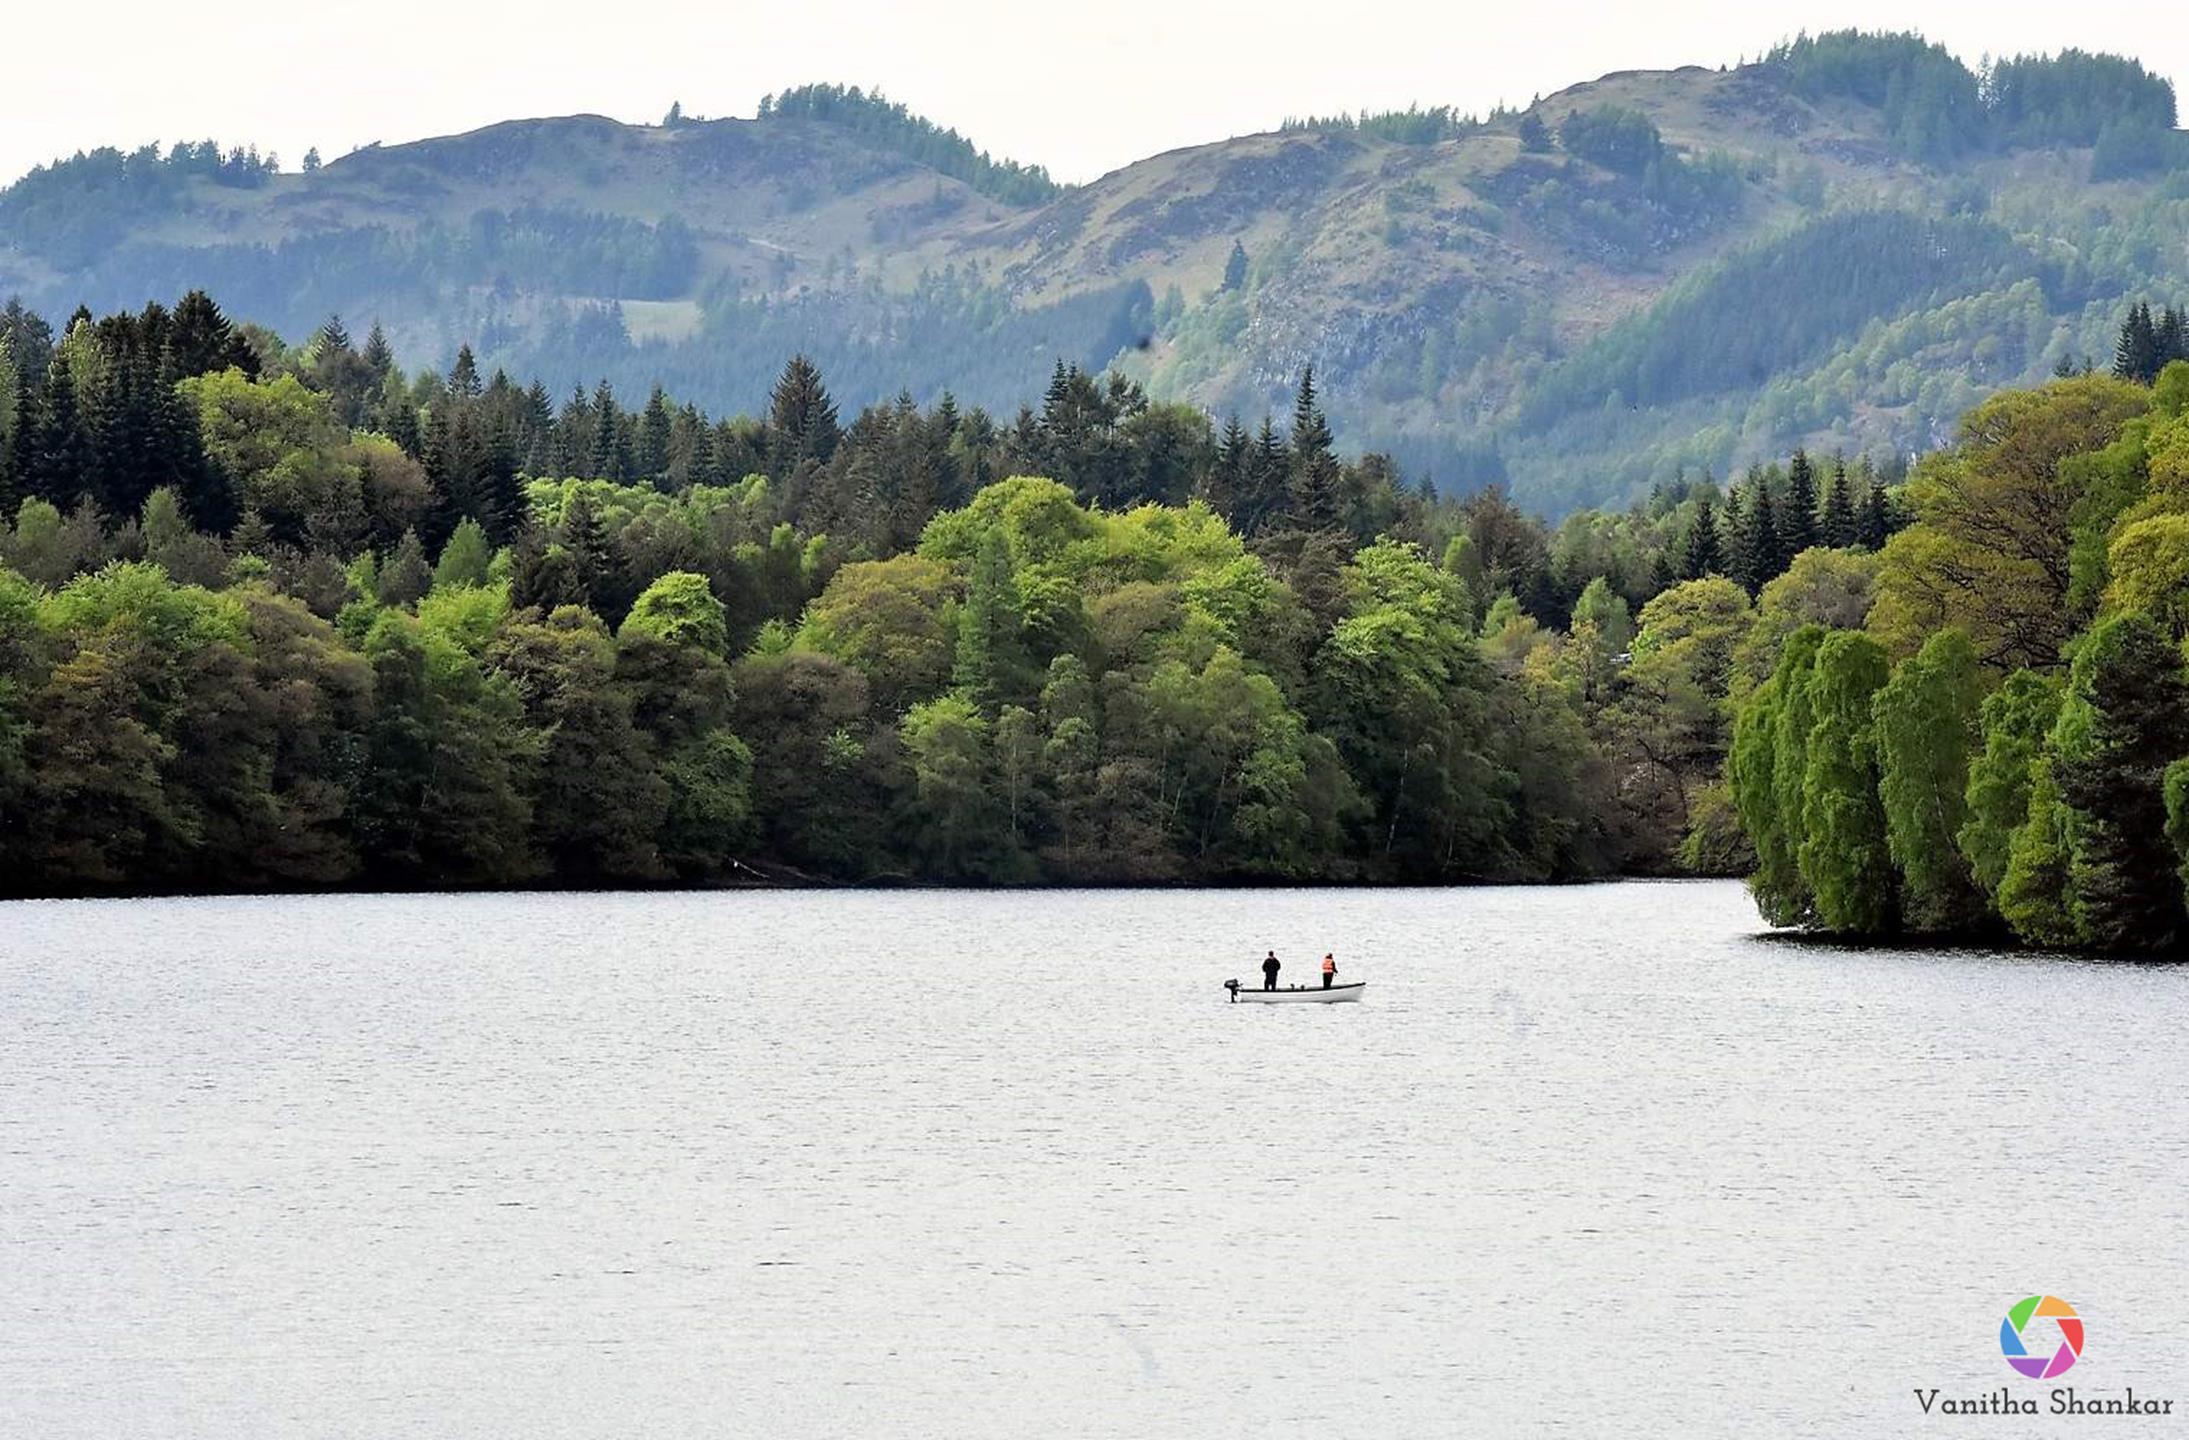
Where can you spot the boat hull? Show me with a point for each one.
(1302, 995)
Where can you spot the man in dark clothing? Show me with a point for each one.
(1270, 967)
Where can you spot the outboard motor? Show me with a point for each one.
(1233, 987)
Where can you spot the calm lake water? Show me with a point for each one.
(1585, 1161)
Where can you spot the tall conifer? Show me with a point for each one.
(1312, 480)
(1838, 527)
(1798, 514)
(1701, 555)
(801, 419)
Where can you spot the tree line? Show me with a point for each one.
(1996, 743)
(893, 127)
(1937, 109)
(289, 615)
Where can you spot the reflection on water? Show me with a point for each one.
(995, 1165)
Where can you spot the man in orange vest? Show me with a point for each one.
(1330, 971)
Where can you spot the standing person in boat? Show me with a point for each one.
(1330, 970)
(1270, 967)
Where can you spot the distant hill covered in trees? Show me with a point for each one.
(1642, 281)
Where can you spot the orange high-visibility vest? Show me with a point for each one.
(1330, 966)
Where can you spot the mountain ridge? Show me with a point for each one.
(1520, 298)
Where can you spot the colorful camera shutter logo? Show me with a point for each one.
(2023, 1341)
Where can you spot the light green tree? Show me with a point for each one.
(1926, 730)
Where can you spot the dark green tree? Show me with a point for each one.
(1699, 554)
(406, 577)
(1837, 528)
(1312, 481)
(1759, 545)
(463, 376)
(653, 440)
(801, 419)
(201, 341)
(1873, 522)
(2125, 719)
(1235, 269)
(2136, 356)
(1797, 517)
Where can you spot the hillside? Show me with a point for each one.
(1844, 245)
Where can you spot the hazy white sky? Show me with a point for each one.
(1080, 87)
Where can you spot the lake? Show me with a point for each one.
(1585, 1160)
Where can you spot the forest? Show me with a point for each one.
(282, 616)
(2000, 747)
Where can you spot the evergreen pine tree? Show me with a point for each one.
(60, 453)
(201, 341)
(1235, 269)
(1262, 495)
(498, 488)
(1758, 555)
(2136, 354)
(406, 577)
(399, 421)
(699, 460)
(2127, 720)
(26, 341)
(1312, 480)
(801, 419)
(443, 469)
(251, 536)
(463, 376)
(585, 541)
(535, 426)
(1701, 555)
(120, 423)
(1873, 525)
(204, 492)
(540, 576)
(2171, 340)
(378, 354)
(1798, 514)
(1225, 481)
(653, 440)
(17, 446)
(605, 446)
(1838, 528)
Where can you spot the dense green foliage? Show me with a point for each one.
(285, 616)
(319, 625)
(1822, 282)
(78, 208)
(1412, 126)
(2000, 741)
(884, 122)
(1936, 108)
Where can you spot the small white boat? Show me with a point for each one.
(1295, 994)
